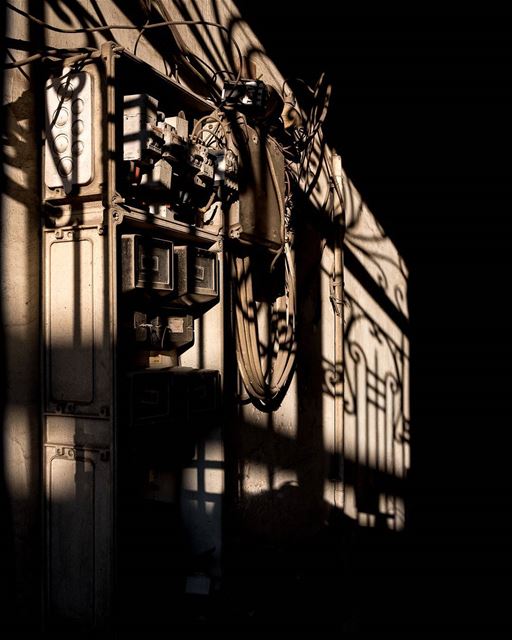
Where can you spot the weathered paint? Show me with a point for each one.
(273, 477)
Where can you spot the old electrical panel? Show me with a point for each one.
(147, 264)
(132, 208)
(197, 275)
(69, 131)
(257, 217)
(163, 333)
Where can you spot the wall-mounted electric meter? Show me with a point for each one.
(147, 264)
(197, 278)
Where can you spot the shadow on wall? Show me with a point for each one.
(19, 333)
(6, 530)
(287, 548)
(291, 555)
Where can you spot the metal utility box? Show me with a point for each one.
(172, 395)
(197, 275)
(147, 263)
(258, 216)
(163, 332)
(109, 271)
(73, 132)
(77, 350)
(68, 147)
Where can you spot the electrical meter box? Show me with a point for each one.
(147, 264)
(204, 392)
(150, 395)
(163, 333)
(258, 215)
(123, 184)
(175, 395)
(197, 277)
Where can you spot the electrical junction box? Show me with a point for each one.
(140, 136)
(172, 396)
(179, 125)
(150, 396)
(163, 333)
(69, 131)
(155, 185)
(204, 389)
(147, 264)
(197, 276)
(258, 215)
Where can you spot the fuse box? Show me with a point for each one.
(147, 264)
(69, 131)
(172, 395)
(257, 217)
(163, 332)
(124, 183)
(197, 278)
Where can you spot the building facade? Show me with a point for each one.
(205, 339)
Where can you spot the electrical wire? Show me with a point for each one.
(211, 117)
(264, 386)
(146, 27)
(186, 53)
(139, 37)
(23, 62)
(82, 53)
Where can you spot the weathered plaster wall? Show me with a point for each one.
(20, 307)
(278, 480)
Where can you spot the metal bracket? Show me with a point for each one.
(117, 215)
(235, 230)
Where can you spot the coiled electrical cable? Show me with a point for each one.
(264, 383)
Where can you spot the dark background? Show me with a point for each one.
(421, 115)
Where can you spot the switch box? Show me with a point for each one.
(150, 396)
(197, 277)
(155, 185)
(180, 125)
(179, 395)
(140, 135)
(147, 263)
(163, 333)
(69, 132)
(258, 216)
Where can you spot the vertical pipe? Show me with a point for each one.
(110, 296)
(337, 296)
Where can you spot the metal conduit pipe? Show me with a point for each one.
(339, 361)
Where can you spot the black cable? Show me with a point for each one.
(48, 52)
(110, 27)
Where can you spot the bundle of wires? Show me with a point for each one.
(264, 375)
(210, 130)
